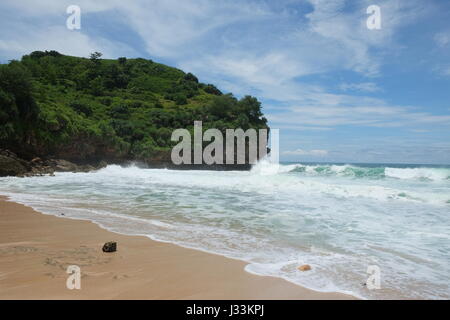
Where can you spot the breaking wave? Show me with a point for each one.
(353, 171)
(337, 218)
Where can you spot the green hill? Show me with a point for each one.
(85, 109)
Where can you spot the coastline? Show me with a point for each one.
(36, 249)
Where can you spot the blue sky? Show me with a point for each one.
(336, 90)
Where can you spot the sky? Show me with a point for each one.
(337, 90)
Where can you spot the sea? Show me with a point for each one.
(375, 231)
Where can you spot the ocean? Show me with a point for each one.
(340, 219)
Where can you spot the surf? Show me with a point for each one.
(338, 218)
(355, 171)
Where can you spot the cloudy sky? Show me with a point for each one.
(336, 90)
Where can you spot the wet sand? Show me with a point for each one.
(36, 249)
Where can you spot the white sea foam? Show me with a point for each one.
(418, 173)
(337, 218)
(432, 174)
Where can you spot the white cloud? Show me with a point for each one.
(442, 69)
(301, 152)
(446, 71)
(48, 8)
(43, 27)
(356, 115)
(363, 87)
(253, 42)
(442, 39)
(247, 47)
(303, 128)
(61, 39)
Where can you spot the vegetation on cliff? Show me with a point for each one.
(84, 109)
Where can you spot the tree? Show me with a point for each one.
(114, 77)
(81, 108)
(95, 56)
(96, 86)
(251, 107)
(212, 90)
(221, 106)
(40, 54)
(191, 77)
(180, 99)
(19, 110)
(50, 103)
(15, 81)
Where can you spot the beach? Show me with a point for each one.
(342, 220)
(36, 249)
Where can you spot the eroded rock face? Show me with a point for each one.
(65, 166)
(10, 165)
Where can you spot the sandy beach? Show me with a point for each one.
(36, 249)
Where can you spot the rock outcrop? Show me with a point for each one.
(12, 165)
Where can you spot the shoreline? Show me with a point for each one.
(36, 249)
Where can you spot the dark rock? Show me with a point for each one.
(36, 160)
(110, 247)
(7, 153)
(65, 166)
(86, 168)
(11, 166)
(101, 165)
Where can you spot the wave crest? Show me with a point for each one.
(352, 171)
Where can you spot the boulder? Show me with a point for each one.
(36, 160)
(10, 166)
(102, 164)
(7, 153)
(305, 267)
(86, 168)
(110, 247)
(65, 166)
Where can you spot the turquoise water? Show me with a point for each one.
(340, 219)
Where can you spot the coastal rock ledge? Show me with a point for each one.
(12, 165)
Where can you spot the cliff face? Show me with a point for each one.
(90, 109)
(12, 165)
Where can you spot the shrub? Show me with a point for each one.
(212, 90)
(81, 108)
